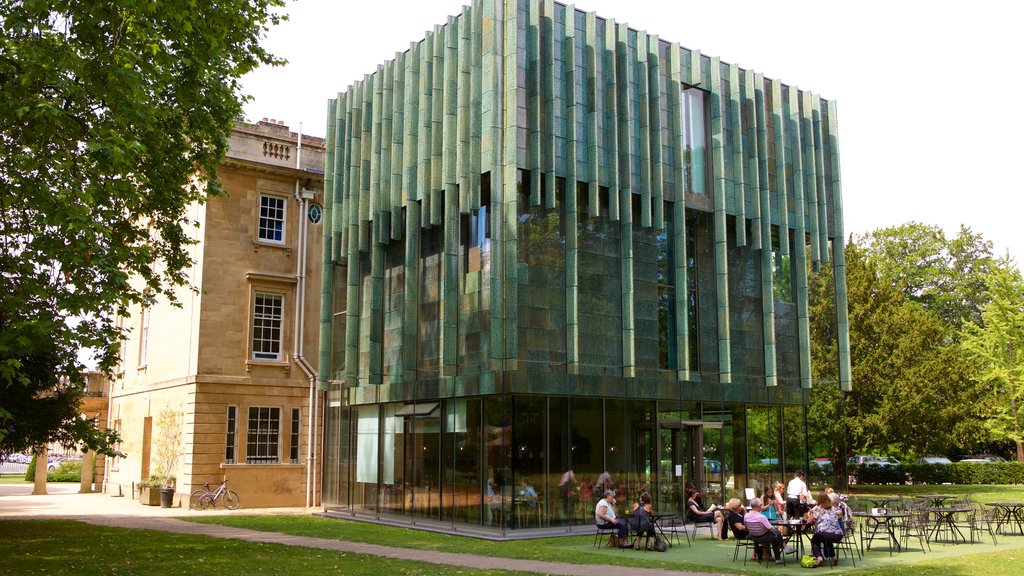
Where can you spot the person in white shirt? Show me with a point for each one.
(795, 492)
(604, 516)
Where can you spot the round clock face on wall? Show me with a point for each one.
(315, 213)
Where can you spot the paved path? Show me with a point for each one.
(16, 502)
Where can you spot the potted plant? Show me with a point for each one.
(159, 488)
(149, 490)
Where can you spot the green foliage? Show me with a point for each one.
(169, 446)
(30, 472)
(966, 473)
(113, 119)
(68, 471)
(875, 474)
(996, 344)
(69, 547)
(909, 394)
(946, 276)
(157, 481)
(928, 473)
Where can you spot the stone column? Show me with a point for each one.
(87, 471)
(42, 460)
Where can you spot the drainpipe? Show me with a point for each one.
(106, 459)
(300, 318)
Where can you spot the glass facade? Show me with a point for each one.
(520, 462)
(520, 319)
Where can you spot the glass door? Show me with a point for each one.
(672, 469)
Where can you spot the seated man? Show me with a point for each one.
(604, 515)
(761, 530)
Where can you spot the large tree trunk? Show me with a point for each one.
(42, 461)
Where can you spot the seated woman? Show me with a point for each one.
(778, 498)
(696, 514)
(827, 530)
(734, 512)
(642, 523)
(604, 516)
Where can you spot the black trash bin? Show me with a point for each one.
(166, 497)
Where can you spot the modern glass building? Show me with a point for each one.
(564, 254)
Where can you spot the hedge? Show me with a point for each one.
(67, 471)
(955, 473)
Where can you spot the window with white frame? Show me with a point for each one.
(267, 326)
(230, 441)
(144, 338)
(116, 459)
(293, 447)
(272, 218)
(263, 435)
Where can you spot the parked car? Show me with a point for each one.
(870, 459)
(986, 458)
(821, 462)
(933, 460)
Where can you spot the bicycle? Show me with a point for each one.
(203, 499)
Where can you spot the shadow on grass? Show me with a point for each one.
(705, 554)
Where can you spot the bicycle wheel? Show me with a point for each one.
(231, 501)
(199, 500)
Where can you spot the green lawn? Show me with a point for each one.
(13, 479)
(705, 554)
(978, 492)
(68, 547)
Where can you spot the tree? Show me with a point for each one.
(996, 344)
(113, 119)
(169, 446)
(945, 276)
(909, 394)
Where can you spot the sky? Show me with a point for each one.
(931, 126)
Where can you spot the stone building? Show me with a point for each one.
(566, 255)
(228, 368)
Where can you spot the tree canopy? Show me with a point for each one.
(113, 119)
(925, 360)
(995, 343)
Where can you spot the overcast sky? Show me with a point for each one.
(931, 123)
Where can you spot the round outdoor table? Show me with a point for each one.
(797, 528)
(935, 500)
(1010, 514)
(884, 522)
(946, 516)
(880, 501)
(659, 520)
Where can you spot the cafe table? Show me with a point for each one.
(796, 529)
(879, 501)
(1009, 514)
(946, 516)
(935, 500)
(660, 520)
(881, 525)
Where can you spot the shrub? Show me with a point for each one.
(30, 472)
(875, 474)
(955, 473)
(68, 471)
(991, 473)
(929, 473)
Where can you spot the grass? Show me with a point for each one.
(977, 492)
(705, 555)
(68, 547)
(13, 479)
